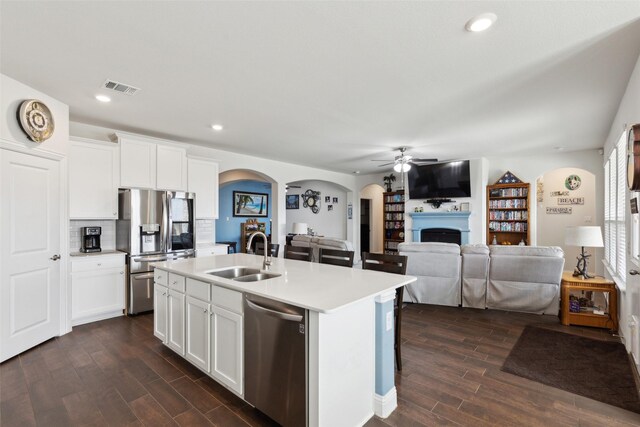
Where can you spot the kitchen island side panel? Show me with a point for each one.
(342, 365)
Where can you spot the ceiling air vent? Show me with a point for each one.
(120, 87)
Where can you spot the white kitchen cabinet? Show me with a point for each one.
(152, 163)
(197, 332)
(137, 163)
(160, 311)
(217, 249)
(171, 168)
(97, 288)
(93, 179)
(175, 323)
(203, 180)
(227, 348)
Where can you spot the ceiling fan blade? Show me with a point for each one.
(378, 160)
(424, 160)
(386, 164)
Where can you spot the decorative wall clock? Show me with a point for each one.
(36, 120)
(312, 200)
(572, 182)
(633, 157)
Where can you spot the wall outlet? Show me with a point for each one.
(587, 218)
(389, 320)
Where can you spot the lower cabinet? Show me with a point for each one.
(97, 288)
(209, 334)
(226, 348)
(160, 302)
(198, 333)
(175, 321)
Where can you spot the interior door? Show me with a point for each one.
(365, 225)
(30, 251)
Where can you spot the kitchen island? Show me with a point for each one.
(350, 365)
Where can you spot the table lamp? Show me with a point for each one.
(300, 228)
(582, 236)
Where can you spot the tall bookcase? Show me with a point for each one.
(393, 221)
(508, 213)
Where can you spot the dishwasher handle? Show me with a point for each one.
(278, 314)
(145, 276)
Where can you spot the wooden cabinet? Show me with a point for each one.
(583, 315)
(246, 230)
(93, 179)
(508, 213)
(151, 164)
(203, 180)
(393, 216)
(198, 332)
(97, 288)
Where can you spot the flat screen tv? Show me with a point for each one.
(440, 180)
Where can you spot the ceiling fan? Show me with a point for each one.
(403, 162)
(287, 187)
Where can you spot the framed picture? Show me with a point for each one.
(327, 199)
(329, 207)
(247, 204)
(349, 211)
(293, 201)
(335, 200)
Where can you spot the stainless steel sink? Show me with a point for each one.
(256, 277)
(234, 272)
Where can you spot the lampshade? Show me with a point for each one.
(589, 236)
(300, 228)
(401, 167)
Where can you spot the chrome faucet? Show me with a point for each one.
(267, 258)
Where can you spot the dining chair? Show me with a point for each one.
(390, 264)
(298, 252)
(335, 257)
(274, 249)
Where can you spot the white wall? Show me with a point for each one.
(551, 227)
(329, 223)
(628, 113)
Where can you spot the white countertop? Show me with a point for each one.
(318, 287)
(106, 252)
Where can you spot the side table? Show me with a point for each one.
(570, 283)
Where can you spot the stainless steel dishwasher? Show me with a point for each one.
(275, 361)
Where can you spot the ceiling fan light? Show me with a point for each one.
(397, 167)
(406, 167)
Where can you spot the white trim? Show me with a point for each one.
(97, 317)
(386, 296)
(38, 152)
(91, 141)
(383, 406)
(119, 135)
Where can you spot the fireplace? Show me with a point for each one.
(445, 235)
(457, 222)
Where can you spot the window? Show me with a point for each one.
(615, 187)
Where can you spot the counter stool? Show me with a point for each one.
(298, 252)
(335, 257)
(390, 264)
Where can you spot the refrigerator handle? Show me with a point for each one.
(166, 223)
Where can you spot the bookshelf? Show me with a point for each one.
(393, 217)
(508, 213)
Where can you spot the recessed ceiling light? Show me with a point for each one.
(217, 128)
(481, 22)
(103, 98)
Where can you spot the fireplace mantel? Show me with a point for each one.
(454, 220)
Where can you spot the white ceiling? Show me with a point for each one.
(335, 84)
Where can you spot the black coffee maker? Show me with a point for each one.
(90, 239)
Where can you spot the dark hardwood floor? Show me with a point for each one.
(115, 372)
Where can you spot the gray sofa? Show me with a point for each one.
(514, 278)
(315, 243)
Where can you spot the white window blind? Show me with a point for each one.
(615, 249)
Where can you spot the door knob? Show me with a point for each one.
(55, 257)
(634, 272)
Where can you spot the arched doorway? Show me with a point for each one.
(371, 220)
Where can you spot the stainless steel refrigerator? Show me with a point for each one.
(152, 226)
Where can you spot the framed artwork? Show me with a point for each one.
(327, 199)
(335, 200)
(293, 201)
(246, 204)
(329, 207)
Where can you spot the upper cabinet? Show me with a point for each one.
(203, 180)
(151, 164)
(93, 179)
(171, 168)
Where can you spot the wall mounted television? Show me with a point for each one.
(440, 180)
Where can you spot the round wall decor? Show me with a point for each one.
(633, 158)
(36, 120)
(572, 182)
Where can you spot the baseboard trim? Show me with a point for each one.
(383, 406)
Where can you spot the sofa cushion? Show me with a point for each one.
(333, 243)
(303, 240)
(542, 251)
(476, 248)
(430, 247)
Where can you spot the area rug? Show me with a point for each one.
(599, 370)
